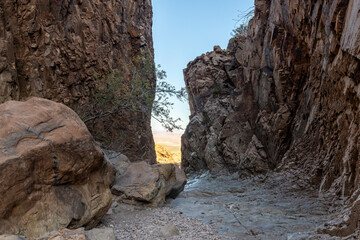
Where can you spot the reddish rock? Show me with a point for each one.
(284, 95)
(52, 173)
(55, 50)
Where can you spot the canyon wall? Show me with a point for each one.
(61, 50)
(284, 96)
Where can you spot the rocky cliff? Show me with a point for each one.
(60, 50)
(283, 96)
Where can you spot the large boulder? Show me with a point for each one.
(52, 173)
(118, 160)
(150, 184)
(174, 177)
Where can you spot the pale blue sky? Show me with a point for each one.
(185, 29)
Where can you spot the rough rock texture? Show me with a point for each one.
(137, 222)
(67, 234)
(101, 234)
(118, 160)
(55, 50)
(285, 95)
(174, 177)
(11, 237)
(81, 234)
(168, 231)
(52, 173)
(149, 183)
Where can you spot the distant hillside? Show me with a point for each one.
(164, 155)
(172, 141)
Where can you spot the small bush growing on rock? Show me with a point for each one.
(240, 30)
(113, 94)
(241, 25)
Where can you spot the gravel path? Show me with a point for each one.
(260, 208)
(139, 222)
(226, 207)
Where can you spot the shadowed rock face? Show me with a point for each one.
(52, 173)
(54, 50)
(285, 95)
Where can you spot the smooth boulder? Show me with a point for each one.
(52, 173)
(174, 177)
(150, 184)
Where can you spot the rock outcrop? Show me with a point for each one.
(52, 173)
(284, 95)
(149, 184)
(61, 50)
(141, 182)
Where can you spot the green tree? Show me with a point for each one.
(162, 106)
(113, 93)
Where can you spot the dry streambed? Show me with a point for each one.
(139, 222)
(223, 207)
(226, 207)
(257, 208)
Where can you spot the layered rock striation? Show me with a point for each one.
(284, 95)
(53, 175)
(61, 50)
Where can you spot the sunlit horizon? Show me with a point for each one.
(183, 30)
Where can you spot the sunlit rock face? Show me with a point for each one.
(285, 95)
(55, 50)
(164, 155)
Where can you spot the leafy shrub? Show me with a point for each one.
(113, 93)
(242, 22)
(239, 30)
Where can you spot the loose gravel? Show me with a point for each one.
(141, 222)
